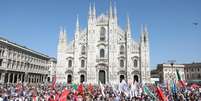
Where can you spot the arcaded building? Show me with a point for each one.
(21, 64)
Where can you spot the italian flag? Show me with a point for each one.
(179, 79)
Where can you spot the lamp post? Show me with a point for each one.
(173, 75)
(172, 63)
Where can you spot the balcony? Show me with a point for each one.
(102, 60)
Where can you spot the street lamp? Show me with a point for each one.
(172, 63)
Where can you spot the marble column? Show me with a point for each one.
(8, 79)
(40, 79)
(3, 77)
(34, 78)
(13, 78)
(18, 77)
(21, 77)
(26, 77)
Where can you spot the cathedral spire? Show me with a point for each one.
(61, 34)
(64, 35)
(144, 33)
(128, 27)
(90, 10)
(77, 24)
(94, 11)
(145, 28)
(115, 11)
(111, 11)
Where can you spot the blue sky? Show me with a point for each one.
(35, 24)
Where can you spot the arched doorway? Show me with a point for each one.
(69, 79)
(121, 77)
(102, 76)
(82, 78)
(135, 78)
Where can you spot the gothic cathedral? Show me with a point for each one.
(103, 52)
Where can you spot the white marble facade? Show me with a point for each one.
(103, 51)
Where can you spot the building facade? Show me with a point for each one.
(193, 72)
(103, 51)
(21, 64)
(168, 72)
(52, 69)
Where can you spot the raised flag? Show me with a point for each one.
(80, 89)
(179, 79)
(64, 95)
(160, 94)
(173, 87)
(74, 86)
(148, 92)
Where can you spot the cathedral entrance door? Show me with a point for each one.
(81, 78)
(121, 77)
(69, 79)
(102, 76)
(135, 78)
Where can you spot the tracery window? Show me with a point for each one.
(82, 63)
(83, 50)
(69, 63)
(121, 63)
(135, 63)
(102, 53)
(122, 49)
(102, 34)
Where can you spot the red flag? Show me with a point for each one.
(64, 95)
(34, 98)
(57, 97)
(160, 94)
(80, 89)
(54, 81)
(90, 88)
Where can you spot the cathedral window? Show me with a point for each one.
(69, 63)
(102, 53)
(102, 34)
(82, 63)
(83, 49)
(121, 49)
(135, 63)
(121, 63)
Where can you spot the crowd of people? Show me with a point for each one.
(89, 92)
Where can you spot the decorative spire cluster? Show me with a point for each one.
(62, 45)
(92, 12)
(113, 11)
(128, 27)
(77, 24)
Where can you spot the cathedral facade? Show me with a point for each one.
(103, 52)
